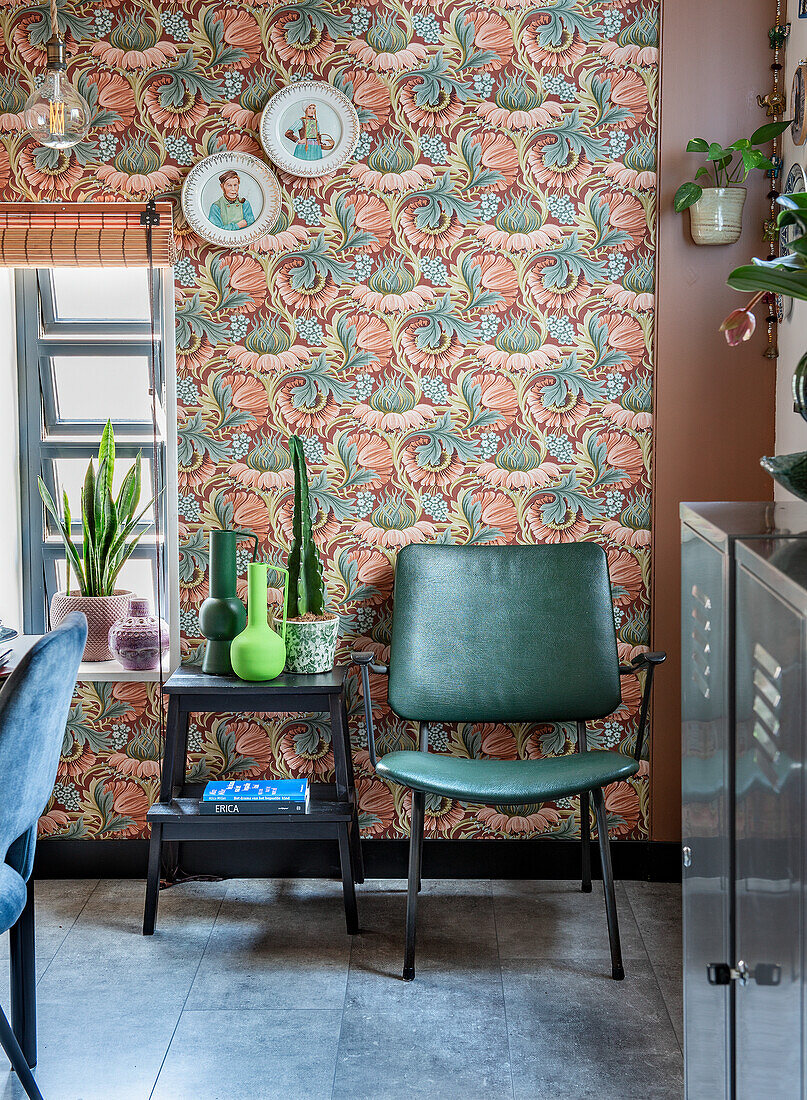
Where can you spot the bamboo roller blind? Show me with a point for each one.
(81, 234)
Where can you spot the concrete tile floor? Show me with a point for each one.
(251, 990)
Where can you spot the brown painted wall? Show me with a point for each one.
(714, 406)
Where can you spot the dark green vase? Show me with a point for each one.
(222, 616)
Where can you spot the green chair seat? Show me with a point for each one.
(506, 782)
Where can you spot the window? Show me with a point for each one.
(83, 351)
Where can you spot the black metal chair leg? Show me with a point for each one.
(415, 854)
(348, 887)
(17, 1059)
(423, 746)
(585, 838)
(153, 880)
(617, 971)
(23, 979)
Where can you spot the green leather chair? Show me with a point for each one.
(505, 634)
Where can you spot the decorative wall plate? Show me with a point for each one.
(309, 129)
(231, 199)
(798, 127)
(796, 181)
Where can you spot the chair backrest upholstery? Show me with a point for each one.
(503, 633)
(34, 706)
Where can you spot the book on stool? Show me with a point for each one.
(255, 796)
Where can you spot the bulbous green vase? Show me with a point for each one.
(222, 615)
(259, 652)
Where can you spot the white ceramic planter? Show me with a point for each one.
(717, 216)
(311, 646)
(101, 611)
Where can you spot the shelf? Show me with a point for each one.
(96, 671)
(180, 819)
(323, 803)
(112, 671)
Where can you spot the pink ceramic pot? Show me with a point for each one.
(137, 639)
(101, 612)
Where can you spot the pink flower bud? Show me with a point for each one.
(739, 326)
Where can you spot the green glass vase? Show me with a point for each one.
(222, 615)
(259, 652)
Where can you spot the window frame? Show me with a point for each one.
(45, 437)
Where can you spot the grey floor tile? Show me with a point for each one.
(657, 909)
(103, 1050)
(671, 984)
(423, 1051)
(58, 903)
(553, 919)
(577, 1034)
(449, 979)
(459, 912)
(260, 1055)
(276, 941)
(106, 956)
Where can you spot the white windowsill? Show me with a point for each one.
(99, 671)
(112, 671)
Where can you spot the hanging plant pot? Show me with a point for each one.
(311, 644)
(102, 613)
(717, 216)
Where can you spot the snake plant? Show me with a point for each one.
(108, 523)
(306, 587)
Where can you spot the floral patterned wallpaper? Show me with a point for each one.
(459, 324)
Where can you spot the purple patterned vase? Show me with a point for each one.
(135, 639)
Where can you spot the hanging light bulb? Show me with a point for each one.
(55, 114)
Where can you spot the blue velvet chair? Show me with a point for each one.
(34, 705)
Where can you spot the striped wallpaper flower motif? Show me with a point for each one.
(458, 323)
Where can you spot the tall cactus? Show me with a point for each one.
(306, 587)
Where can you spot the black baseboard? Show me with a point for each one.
(653, 861)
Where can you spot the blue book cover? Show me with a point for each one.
(257, 790)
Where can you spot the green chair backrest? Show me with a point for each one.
(503, 633)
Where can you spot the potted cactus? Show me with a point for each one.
(312, 633)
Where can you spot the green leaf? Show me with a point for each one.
(717, 152)
(702, 172)
(88, 523)
(771, 277)
(697, 145)
(106, 452)
(768, 131)
(110, 531)
(129, 493)
(64, 528)
(686, 195)
(740, 144)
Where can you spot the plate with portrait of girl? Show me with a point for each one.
(309, 129)
(231, 199)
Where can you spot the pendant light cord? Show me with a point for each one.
(54, 19)
(148, 219)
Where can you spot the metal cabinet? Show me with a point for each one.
(744, 610)
(769, 820)
(705, 832)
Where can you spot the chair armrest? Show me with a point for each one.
(363, 657)
(367, 665)
(643, 662)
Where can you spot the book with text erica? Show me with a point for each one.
(255, 796)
